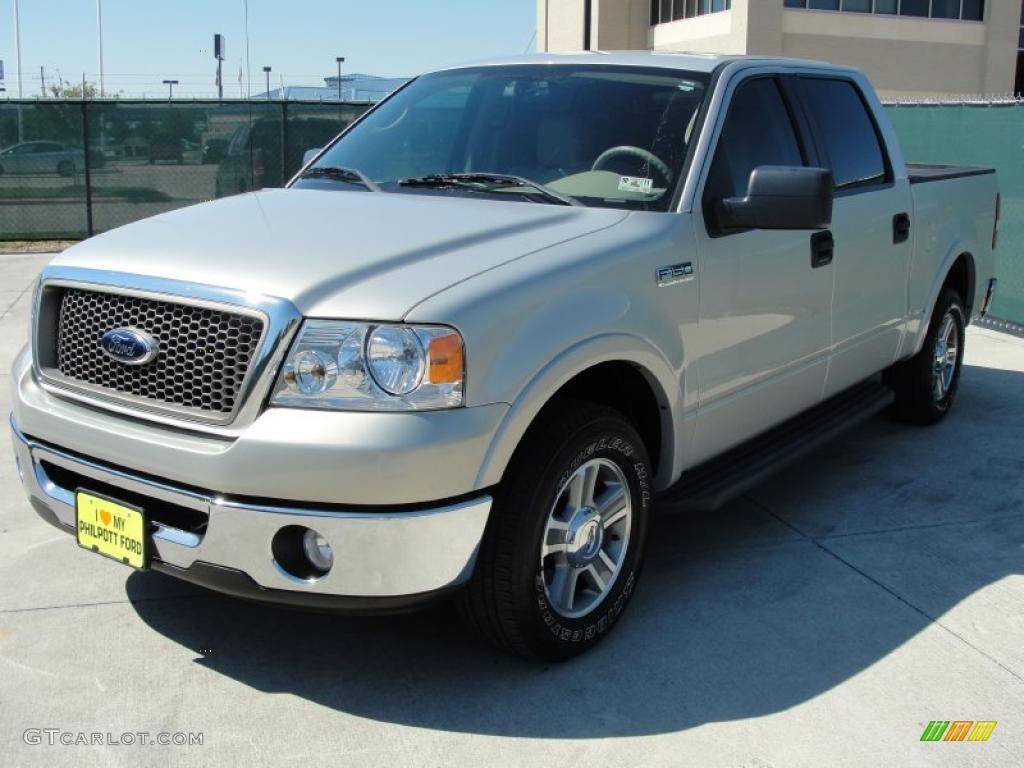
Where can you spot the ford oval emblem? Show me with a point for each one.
(129, 346)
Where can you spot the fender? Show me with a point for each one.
(955, 251)
(665, 382)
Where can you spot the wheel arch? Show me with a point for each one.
(641, 385)
(959, 271)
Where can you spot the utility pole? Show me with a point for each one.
(99, 40)
(266, 71)
(340, 60)
(170, 88)
(42, 81)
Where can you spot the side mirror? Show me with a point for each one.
(309, 154)
(781, 197)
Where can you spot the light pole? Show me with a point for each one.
(99, 40)
(170, 88)
(340, 60)
(266, 71)
(17, 56)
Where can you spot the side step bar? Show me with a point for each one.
(715, 482)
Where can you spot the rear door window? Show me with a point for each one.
(847, 131)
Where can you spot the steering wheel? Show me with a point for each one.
(649, 158)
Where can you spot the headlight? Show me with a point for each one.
(367, 367)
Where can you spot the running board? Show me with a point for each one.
(715, 482)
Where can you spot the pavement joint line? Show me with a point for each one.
(23, 292)
(211, 596)
(881, 585)
(918, 527)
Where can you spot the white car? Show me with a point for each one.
(41, 157)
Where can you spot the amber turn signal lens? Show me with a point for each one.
(446, 360)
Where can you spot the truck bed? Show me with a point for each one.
(919, 173)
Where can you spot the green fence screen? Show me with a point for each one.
(69, 169)
(989, 135)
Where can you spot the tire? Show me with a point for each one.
(925, 390)
(519, 598)
(65, 168)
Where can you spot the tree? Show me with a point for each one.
(76, 91)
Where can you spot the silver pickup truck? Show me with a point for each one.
(483, 333)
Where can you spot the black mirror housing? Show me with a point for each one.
(781, 197)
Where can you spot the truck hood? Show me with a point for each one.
(337, 253)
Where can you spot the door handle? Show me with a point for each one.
(822, 248)
(900, 228)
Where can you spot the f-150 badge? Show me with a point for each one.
(675, 273)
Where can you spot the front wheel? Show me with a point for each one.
(926, 384)
(565, 541)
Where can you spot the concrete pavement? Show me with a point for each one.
(823, 619)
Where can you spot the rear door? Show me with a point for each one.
(870, 226)
(762, 344)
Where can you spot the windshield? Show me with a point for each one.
(602, 135)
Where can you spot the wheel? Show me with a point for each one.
(565, 540)
(65, 168)
(926, 384)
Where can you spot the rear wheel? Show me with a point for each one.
(565, 540)
(65, 168)
(926, 384)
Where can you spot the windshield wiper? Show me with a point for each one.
(487, 182)
(349, 175)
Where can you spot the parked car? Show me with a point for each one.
(254, 154)
(493, 323)
(166, 149)
(41, 157)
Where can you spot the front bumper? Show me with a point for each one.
(382, 558)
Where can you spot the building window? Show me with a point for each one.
(672, 10)
(1018, 86)
(964, 10)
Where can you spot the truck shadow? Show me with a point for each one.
(753, 610)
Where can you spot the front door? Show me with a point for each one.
(764, 330)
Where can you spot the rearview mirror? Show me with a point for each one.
(781, 197)
(309, 154)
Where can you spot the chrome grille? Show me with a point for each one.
(204, 356)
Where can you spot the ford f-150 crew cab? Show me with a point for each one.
(490, 325)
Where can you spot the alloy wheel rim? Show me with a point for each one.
(946, 356)
(586, 538)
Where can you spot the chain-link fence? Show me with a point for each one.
(69, 169)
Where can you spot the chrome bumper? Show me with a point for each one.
(377, 554)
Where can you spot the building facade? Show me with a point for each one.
(911, 49)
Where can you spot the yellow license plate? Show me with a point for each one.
(111, 529)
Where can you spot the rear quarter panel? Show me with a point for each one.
(950, 217)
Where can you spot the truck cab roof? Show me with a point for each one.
(692, 62)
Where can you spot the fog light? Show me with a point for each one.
(317, 550)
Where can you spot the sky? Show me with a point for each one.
(147, 41)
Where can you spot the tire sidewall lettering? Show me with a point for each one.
(595, 624)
